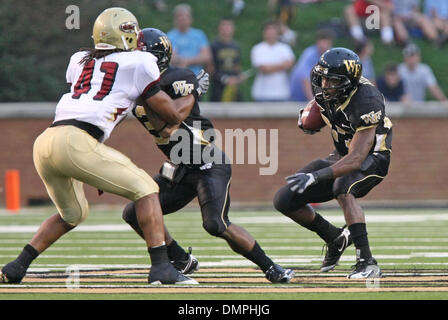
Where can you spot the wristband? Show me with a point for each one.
(323, 174)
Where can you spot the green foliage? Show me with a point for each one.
(35, 45)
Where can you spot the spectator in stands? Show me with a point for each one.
(286, 10)
(300, 83)
(272, 59)
(437, 12)
(409, 19)
(418, 76)
(226, 69)
(283, 10)
(190, 45)
(364, 50)
(356, 13)
(391, 85)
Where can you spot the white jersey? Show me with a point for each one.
(104, 90)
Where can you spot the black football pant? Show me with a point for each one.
(211, 186)
(357, 183)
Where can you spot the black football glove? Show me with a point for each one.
(300, 124)
(300, 181)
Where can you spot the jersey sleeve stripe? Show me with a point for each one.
(148, 87)
(366, 127)
(151, 89)
(151, 84)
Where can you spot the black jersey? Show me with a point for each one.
(180, 82)
(363, 109)
(227, 58)
(227, 61)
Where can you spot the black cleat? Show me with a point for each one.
(187, 266)
(13, 272)
(165, 273)
(364, 269)
(276, 274)
(335, 250)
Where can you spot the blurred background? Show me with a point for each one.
(259, 54)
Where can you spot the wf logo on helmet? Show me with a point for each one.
(352, 67)
(166, 43)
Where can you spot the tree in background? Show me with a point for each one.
(35, 45)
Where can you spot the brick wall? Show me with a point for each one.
(417, 172)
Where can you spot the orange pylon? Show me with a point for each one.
(12, 190)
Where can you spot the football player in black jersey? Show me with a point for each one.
(180, 183)
(354, 110)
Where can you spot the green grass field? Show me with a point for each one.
(411, 246)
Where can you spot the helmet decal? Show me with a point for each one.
(352, 67)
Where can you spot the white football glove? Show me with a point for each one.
(203, 82)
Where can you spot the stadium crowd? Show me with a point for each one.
(274, 63)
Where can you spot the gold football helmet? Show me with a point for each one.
(116, 28)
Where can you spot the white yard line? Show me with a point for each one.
(99, 242)
(39, 268)
(374, 218)
(75, 247)
(370, 218)
(234, 258)
(82, 228)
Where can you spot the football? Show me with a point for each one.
(311, 117)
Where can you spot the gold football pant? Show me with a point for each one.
(65, 157)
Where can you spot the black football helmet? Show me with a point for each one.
(157, 43)
(341, 65)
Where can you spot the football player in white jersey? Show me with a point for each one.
(105, 83)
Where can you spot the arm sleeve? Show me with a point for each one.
(180, 83)
(430, 79)
(368, 114)
(203, 41)
(256, 56)
(289, 54)
(147, 77)
(190, 78)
